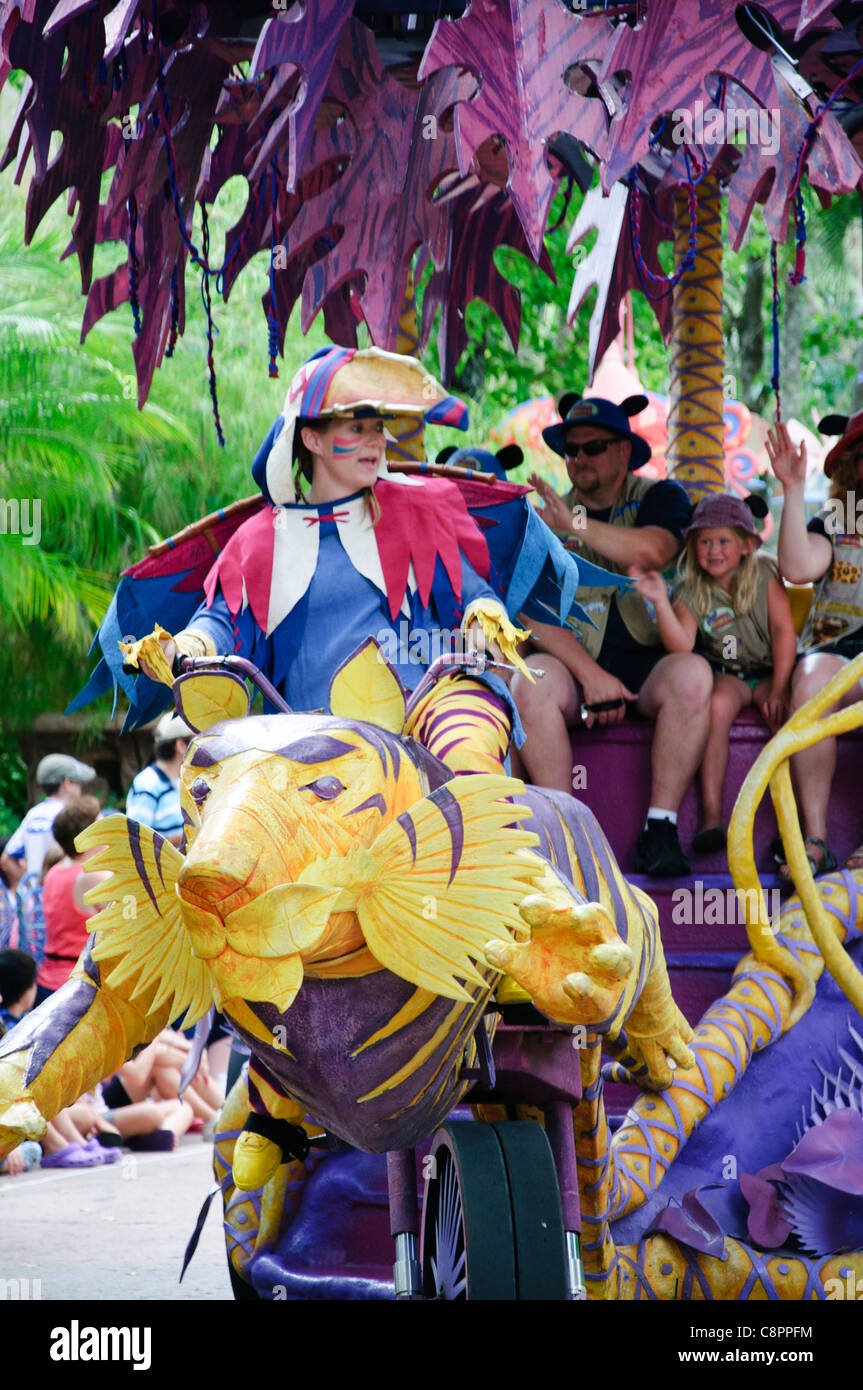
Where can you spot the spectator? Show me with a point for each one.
(62, 778)
(8, 906)
(66, 913)
(31, 916)
(64, 1144)
(154, 796)
(732, 604)
(827, 552)
(618, 521)
(17, 986)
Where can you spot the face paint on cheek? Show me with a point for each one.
(345, 446)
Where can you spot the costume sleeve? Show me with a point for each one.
(474, 587)
(214, 623)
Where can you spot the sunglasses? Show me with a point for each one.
(593, 448)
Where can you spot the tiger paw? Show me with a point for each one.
(255, 1160)
(574, 966)
(658, 1051)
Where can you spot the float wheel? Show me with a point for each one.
(492, 1226)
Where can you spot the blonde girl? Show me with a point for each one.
(732, 608)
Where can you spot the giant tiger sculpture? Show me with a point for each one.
(352, 907)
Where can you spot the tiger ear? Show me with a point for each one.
(367, 687)
(203, 698)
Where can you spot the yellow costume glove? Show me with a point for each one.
(150, 650)
(497, 628)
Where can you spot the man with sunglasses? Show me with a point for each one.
(593, 674)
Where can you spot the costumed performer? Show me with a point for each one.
(340, 550)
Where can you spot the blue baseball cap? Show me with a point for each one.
(605, 415)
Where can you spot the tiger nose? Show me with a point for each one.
(219, 876)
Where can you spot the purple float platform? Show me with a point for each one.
(616, 785)
(703, 924)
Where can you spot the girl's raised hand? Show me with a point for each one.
(787, 462)
(555, 513)
(650, 585)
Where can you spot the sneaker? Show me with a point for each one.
(658, 853)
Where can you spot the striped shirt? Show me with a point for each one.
(154, 800)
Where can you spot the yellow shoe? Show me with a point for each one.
(256, 1159)
(510, 992)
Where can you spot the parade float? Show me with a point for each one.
(655, 1182)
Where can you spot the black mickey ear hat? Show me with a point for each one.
(593, 410)
(510, 456)
(633, 405)
(850, 427)
(833, 424)
(757, 505)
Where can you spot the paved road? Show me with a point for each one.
(114, 1233)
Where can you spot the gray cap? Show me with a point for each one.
(171, 726)
(58, 766)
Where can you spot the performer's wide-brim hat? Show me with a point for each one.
(605, 415)
(852, 435)
(346, 381)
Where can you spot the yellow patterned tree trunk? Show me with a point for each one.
(696, 452)
(409, 434)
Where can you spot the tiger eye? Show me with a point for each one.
(326, 788)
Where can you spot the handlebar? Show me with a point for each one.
(242, 667)
(465, 661)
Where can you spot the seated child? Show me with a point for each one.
(70, 1140)
(731, 607)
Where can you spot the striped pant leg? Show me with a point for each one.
(464, 723)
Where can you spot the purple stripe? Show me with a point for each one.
(202, 757)
(408, 827)
(46, 1027)
(159, 843)
(451, 812)
(548, 819)
(468, 712)
(428, 725)
(318, 748)
(425, 762)
(448, 747)
(135, 846)
(377, 802)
